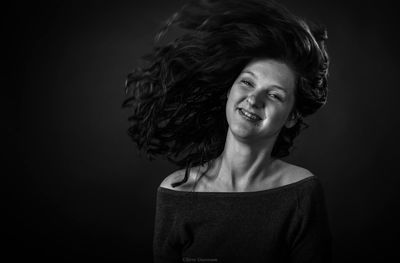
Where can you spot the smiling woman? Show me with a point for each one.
(225, 101)
(263, 95)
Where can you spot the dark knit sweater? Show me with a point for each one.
(284, 224)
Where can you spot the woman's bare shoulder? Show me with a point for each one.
(178, 176)
(173, 177)
(292, 173)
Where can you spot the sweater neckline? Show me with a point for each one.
(275, 189)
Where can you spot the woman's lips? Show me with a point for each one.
(249, 115)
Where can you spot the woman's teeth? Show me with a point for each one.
(249, 115)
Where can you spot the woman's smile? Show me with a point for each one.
(249, 116)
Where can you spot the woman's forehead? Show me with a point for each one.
(271, 71)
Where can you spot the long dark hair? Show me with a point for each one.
(178, 99)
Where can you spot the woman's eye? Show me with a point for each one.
(247, 83)
(275, 96)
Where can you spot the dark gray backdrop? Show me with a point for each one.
(77, 191)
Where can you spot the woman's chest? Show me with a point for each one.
(235, 230)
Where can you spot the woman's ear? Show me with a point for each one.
(292, 119)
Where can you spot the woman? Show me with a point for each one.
(224, 101)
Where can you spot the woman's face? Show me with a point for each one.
(260, 100)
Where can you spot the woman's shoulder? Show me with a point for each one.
(178, 176)
(290, 173)
(308, 192)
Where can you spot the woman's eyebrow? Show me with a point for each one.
(280, 88)
(249, 72)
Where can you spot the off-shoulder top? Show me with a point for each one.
(284, 224)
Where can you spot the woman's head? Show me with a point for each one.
(261, 101)
(179, 99)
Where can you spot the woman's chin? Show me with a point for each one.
(250, 133)
(240, 131)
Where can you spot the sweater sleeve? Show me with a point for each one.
(166, 245)
(311, 239)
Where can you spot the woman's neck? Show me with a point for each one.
(243, 165)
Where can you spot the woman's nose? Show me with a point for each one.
(255, 100)
(251, 99)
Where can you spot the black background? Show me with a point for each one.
(76, 189)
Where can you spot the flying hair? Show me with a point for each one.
(177, 100)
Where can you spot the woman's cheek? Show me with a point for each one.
(277, 117)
